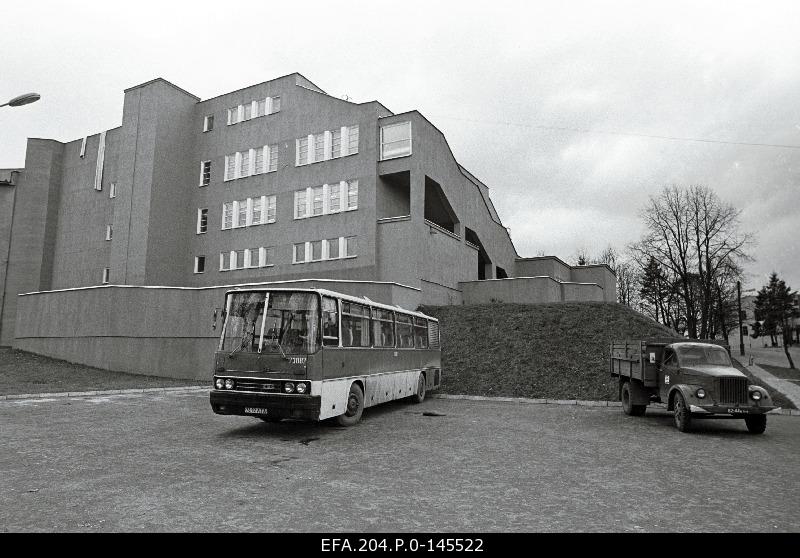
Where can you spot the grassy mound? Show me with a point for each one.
(555, 351)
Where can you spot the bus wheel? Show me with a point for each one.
(756, 424)
(355, 406)
(683, 417)
(419, 397)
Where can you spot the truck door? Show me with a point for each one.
(667, 373)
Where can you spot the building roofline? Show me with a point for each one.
(160, 79)
(259, 83)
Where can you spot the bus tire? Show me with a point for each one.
(419, 397)
(354, 408)
(756, 424)
(627, 407)
(683, 416)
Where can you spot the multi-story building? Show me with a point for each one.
(275, 182)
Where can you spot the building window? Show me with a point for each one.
(112, 190)
(350, 247)
(109, 232)
(299, 253)
(202, 221)
(333, 248)
(326, 199)
(246, 259)
(106, 275)
(352, 140)
(208, 123)
(241, 213)
(253, 109)
(248, 212)
(321, 250)
(205, 173)
(199, 264)
(326, 145)
(251, 161)
(395, 140)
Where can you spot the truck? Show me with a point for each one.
(695, 378)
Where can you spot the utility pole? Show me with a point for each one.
(739, 300)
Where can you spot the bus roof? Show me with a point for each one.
(343, 296)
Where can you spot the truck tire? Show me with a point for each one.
(627, 407)
(354, 407)
(683, 416)
(756, 424)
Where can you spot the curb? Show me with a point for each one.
(575, 402)
(70, 394)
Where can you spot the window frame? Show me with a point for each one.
(383, 143)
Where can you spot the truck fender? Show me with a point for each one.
(685, 390)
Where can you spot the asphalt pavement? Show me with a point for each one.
(162, 461)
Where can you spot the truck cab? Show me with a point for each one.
(696, 379)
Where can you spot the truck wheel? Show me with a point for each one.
(756, 424)
(355, 406)
(419, 397)
(683, 417)
(627, 407)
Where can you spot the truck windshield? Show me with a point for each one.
(700, 355)
(291, 325)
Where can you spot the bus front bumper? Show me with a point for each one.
(224, 402)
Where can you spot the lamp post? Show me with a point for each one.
(25, 99)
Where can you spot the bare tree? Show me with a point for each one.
(627, 274)
(695, 237)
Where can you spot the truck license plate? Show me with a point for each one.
(739, 411)
(255, 410)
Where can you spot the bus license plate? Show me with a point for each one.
(255, 410)
(739, 411)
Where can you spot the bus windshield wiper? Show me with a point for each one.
(240, 347)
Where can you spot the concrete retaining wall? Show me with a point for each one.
(158, 331)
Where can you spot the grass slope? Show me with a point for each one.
(556, 351)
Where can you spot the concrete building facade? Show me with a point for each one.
(274, 182)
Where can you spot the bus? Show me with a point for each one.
(315, 354)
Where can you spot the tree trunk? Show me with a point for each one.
(786, 345)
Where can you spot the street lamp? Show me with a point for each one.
(25, 99)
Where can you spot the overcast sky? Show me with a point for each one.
(495, 77)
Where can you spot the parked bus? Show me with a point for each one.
(316, 354)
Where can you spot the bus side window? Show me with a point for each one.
(421, 333)
(405, 333)
(330, 322)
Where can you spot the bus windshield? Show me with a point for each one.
(291, 325)
(693, 355)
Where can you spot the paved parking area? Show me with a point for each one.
(164, 462)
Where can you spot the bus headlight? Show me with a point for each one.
(756, 395)
(228, 384)
(219, 383)
(301, 387)
(288, 387)
(700, 393)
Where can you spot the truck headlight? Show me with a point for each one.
(301, 387)
(219, 383)
(228, 384)
(756, 395)
(700, 393)
(288, 387)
